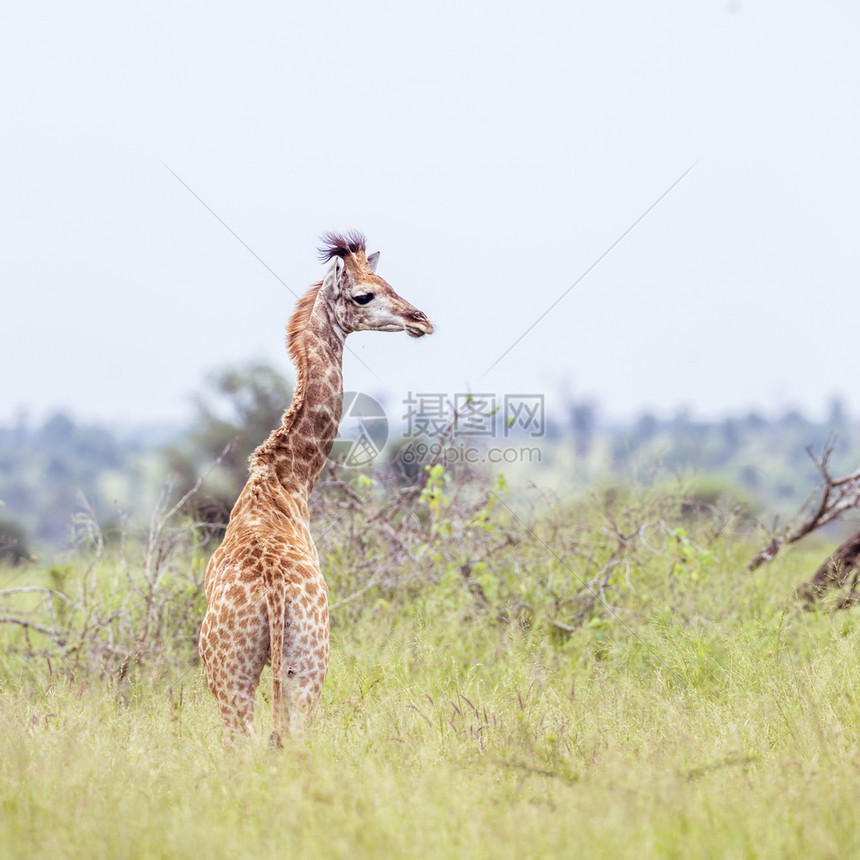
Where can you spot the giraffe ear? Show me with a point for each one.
(373, 260)
(332, 276)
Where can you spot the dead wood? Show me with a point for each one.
(833, 497)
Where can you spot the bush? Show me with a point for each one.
(13, 542)
(454, 546)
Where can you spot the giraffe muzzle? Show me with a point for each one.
(419, 325)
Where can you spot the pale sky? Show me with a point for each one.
(491, 151)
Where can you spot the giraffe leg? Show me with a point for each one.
(232, 663)
(305, 654)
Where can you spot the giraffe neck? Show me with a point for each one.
(297, 450)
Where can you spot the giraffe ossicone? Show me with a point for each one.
(266, 597)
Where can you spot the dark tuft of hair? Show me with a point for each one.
(340, 244)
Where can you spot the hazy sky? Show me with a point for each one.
(491, 151)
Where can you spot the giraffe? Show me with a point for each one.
(267, 600)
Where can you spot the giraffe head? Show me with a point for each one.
(362, 301)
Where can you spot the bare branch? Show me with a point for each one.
(58, 636)
(835, 497)
(34, 590)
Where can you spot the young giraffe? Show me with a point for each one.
(266, 596)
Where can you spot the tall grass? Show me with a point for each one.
(596, 677)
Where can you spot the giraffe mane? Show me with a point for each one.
(299, 320)
(341, 245)
(295, 347)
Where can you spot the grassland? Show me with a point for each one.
(691, 711)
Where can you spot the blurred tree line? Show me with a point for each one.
(50, 472)
(46, 472)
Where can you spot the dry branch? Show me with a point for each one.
(834, 497)
(103, 627)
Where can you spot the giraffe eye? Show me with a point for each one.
(363, 300)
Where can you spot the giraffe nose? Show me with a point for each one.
(419, 325)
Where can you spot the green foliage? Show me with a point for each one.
(111, 612)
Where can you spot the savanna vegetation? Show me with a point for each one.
(514, 673)
(579, 664)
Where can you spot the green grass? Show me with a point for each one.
(704, 718)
